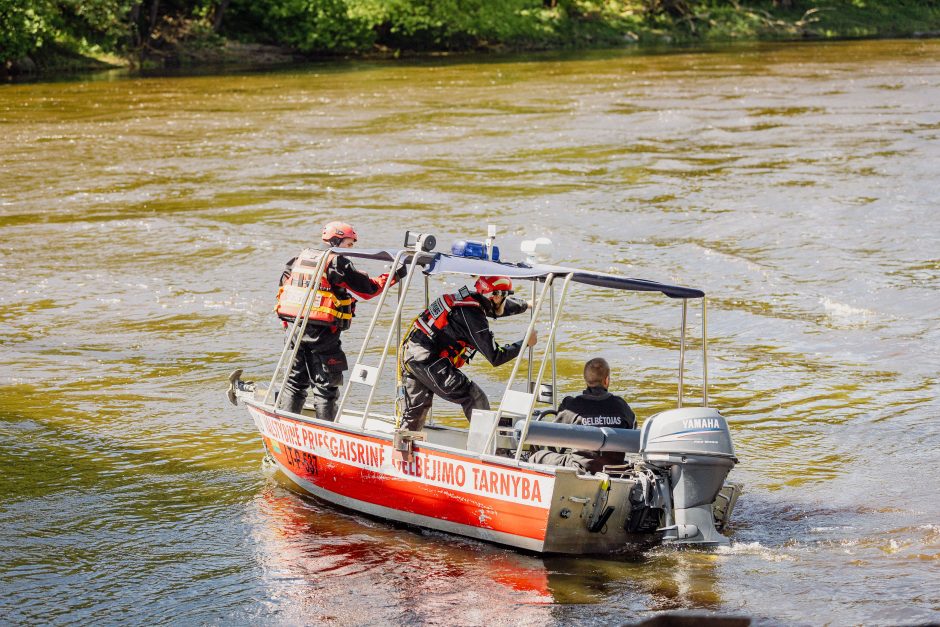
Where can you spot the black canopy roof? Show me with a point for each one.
(441, 263)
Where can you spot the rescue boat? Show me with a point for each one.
(476, 481)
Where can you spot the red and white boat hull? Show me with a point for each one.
(436, 489)
(545, 509)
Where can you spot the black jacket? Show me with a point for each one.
(469, 324)
(599, 408)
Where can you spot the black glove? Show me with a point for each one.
(401, 273)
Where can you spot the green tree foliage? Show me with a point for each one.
(442, 24)
(113, 26)
(157, 28)
(357, 25)
(95, 23)
(307, 25)
(24, 27)
(163, 29)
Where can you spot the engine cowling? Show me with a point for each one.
(694, 445)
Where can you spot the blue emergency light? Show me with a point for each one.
(474, 250)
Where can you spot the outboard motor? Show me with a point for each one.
(694, 446)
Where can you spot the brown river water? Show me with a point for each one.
(144, 222)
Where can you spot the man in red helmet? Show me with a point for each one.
(320, 360)
(444, 337)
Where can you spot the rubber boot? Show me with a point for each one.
(293, 402)
(414, 423)
(326, 409)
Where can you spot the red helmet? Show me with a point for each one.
(341, 230)
(493, 285)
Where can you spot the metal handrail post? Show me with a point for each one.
(369, 331)
(538, 306)
(388, 339)
(288, 345)
(556, 315)
(378, 308)
(427, 303)
(291, 344)
(365, 341)
(515, 368)
(685, 306)
(398, 322)
(305, 314)
(551, 306)
(704, 354)
(530, 349)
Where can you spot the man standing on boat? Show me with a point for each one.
(595, 407)
(444, 337)
(320, 360)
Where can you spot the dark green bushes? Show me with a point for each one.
(164, 31)
(331, 26)
(309, 26)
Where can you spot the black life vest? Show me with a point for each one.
(332, 305)
(433, 323)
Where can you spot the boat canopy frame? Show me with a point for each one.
(518, 404)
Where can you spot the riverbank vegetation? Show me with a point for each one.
(56, 35)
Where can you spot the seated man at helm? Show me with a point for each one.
(594, 407)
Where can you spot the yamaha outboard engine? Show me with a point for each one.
(694, 446)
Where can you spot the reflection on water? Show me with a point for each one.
(319, 562)
(144, 221)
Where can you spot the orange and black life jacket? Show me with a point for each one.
(332, 305)
(433, 322)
